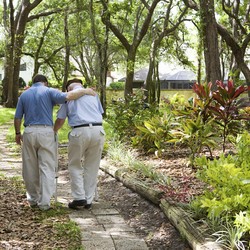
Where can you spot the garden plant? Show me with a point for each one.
(217, 122)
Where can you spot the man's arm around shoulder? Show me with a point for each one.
(77, 93)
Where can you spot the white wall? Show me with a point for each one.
(27, 74)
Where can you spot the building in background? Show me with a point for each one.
(176, 79)
(26, 69)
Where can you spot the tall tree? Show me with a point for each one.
(236, 36)
(163, 26)
(102, 49)
(234, 30)
(15, 25)
(210, 41)
(138, 27)
(67, 51)
(16, 19)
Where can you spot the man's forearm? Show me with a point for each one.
(77, 93)
(17, 125)
(58, 124)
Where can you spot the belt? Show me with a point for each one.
(88, 125)
(38, 125)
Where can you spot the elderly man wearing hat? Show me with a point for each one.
(86, 141)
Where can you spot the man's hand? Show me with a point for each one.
(19, 139)
(76, 93)
(90, 91)
(17, 125)
(58, 124)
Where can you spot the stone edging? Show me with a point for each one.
(187, 227)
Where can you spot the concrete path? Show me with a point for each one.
(102, 228)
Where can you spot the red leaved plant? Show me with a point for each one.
(226, 106)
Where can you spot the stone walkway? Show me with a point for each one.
(102, 227)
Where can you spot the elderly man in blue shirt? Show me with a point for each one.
(86, 142)
(39, 150)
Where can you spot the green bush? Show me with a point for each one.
(228, 179)
(123, 116)
(153, 134)
(117, 85)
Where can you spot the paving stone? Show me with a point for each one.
(119, 235)
(122, 227)
(87, 235)
(131, 244)
(85, 221)
(84, 213)
(110, 219)
(103, 244)
(91, 228)
(107, 211)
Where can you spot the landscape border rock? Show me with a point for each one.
(187, 227)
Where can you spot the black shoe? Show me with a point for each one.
(77, 203)
(88, 206)
(34, 206)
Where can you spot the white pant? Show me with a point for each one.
(39, 155)
(84, 152)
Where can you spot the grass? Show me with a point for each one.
(6, 115)
(125, 157)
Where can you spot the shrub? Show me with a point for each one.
(124, 116)
(117, 85)
(228, 178)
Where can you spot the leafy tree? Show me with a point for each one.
(210, 41)
(165, 24)
(101, 41)
(44, 47)
(15, 23)
(236, 35)
(121, 19)
(235, 19)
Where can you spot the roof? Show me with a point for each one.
(181, 75)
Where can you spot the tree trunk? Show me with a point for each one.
(102, 56)
(150, 83)
(158, 83)
(237, 51)
(150, 90)
(67, 52)
(13, 50)
(210, 38)
(130, 73)
(7, 96)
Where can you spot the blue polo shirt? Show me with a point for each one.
(36, 104)
(86, 109)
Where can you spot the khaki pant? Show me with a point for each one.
(84, 152)
(39, 153)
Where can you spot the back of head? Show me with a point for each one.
(75, 80)
(40, 78)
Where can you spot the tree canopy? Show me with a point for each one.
(94, 37)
